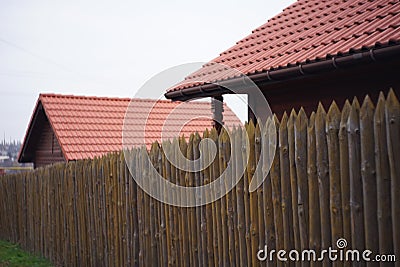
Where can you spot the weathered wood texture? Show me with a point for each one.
(333, 175)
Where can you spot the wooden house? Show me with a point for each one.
(312, 51)
(66, 127)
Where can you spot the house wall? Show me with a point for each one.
(48, 150)
(338, 85)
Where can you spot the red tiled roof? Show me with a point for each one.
(92, 126)
(306, 31)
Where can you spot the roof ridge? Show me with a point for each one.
(71, 96)
(55, 95)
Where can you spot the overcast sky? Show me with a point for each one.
(109, 48)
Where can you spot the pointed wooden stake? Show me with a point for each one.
(392, 114)
(383, 179)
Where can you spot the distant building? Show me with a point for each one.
(4, 158)
(313, 51)
(65, 128)
(8, 158)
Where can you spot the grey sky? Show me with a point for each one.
(109, 48)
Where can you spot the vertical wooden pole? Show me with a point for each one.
(368, 175)
(344, 173)
(140, 210)
(235, 150)
(185, 214)
(383, 179)
(286, 193)
(276, 191)
(269, 145)
(392, 114)
(194, 242)
(223, 143)
(300, 132)
(198, 180)
(356, 195)
(216, 205)
(332, 131)
(323, 179)
(313, 189)
(254, 234)
(246, 198)
(260, 203)
(209, 208)
(241, 224)
(293, 180)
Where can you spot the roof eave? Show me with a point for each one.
(281, 75)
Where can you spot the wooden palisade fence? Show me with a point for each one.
(335, 175)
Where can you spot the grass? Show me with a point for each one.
(11, 255)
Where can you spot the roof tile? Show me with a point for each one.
(307, 30)
(87, 127)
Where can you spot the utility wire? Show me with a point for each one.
(42, 58)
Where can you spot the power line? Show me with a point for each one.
(42, 58)
(48, 61)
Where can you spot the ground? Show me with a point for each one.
(11, 255)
